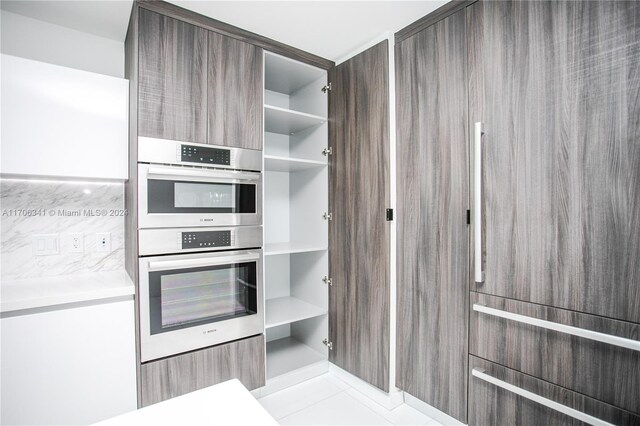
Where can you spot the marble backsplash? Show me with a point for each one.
(59, 207)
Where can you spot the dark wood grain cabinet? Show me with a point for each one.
(196, 85)
(501, 396)
(603, 371)
(432, 241)
(175, 376)
(234, 93)
(358, 231)
(556, 84)
(172, 79)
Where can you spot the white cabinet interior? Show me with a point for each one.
(296, 230)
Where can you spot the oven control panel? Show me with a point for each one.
(199, 154)
(205, 239)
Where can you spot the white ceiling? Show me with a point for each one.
(331, 29)
(104, 18)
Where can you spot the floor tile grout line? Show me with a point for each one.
(311, 405)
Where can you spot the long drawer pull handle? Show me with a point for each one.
(571, 412)
(562, 328)
(477, 203)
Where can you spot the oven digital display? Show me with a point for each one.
(191, 240)
(198, 154)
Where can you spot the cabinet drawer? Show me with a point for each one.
(171, 377)
(501, 396)
(605, 371)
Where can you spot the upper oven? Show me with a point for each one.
(184, 184)
(171, 196)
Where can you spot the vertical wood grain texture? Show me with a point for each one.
(432, 239)
(358, 232)
(449, 8)
(172, 79)
(599, 370)
(175, 376)
(131, 185)
(558, 87)
(492, 405)
(235, 93)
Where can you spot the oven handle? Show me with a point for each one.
(218, 175)
(155, 265)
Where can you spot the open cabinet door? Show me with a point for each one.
(358, 231)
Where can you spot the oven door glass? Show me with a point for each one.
(191, 297)
(173, 196)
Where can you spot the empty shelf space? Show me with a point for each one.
(285, 310)
(288, 354)
(286, 75)
(284, 164)
(287, 122)
(271, 249)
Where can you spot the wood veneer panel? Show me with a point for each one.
(174, 376)
(600, 370)
(492, 405)
(235, 32)
(432, 239)
(358, 232)
(557, 85)
(172, 79)
(131, 185)
(235, 92)
(426, 21)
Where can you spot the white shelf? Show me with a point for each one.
(271, 249)
(287, 122)
(285, 310)
(286, 164)
(286, 75)
(288, 354)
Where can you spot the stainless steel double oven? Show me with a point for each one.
(200, 239)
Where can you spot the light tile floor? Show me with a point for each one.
(327, 400)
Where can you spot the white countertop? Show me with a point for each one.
(228, 403)
(49, 291)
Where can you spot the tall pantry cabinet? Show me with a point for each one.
(547, 129)
(323, 132)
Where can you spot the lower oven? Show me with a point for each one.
(191, 301)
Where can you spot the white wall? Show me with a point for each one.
(45, 42)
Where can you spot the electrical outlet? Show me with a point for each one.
(76, 242)
(103, 241)
(45, 244)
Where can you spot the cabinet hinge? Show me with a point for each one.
(326, 215)
(328, 344)
(389, 215)
(327, 281)
(327, 151)
(326, 88)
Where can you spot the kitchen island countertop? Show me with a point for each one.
(227, 403)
